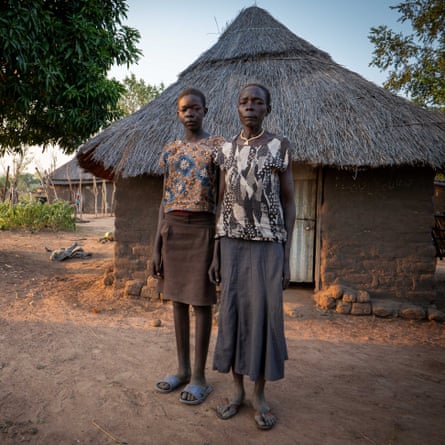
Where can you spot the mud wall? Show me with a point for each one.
(137, 207)
(439, 197)
(88, 199)
(376, 232)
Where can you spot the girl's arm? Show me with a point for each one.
(156, 262)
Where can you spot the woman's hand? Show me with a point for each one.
(286, 274)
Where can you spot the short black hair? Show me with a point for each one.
(194, 92)
(259, 85)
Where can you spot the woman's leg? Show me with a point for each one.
(263, 417)
(229, 409)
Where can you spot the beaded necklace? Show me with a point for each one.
(247, 140)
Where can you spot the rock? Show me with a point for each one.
(133, 288)
(363, 296)
(434, 314)
(290, 309)
(349, 295)
(360, 308)
(412, 312)
(385, 308)
(156, 323)
(343, 307)
(335, 291)
(109, 278)
(324, 300)
(152, 282)
(149, 292)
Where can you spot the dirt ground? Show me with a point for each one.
(78, 366)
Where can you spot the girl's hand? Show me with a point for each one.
(156, 270)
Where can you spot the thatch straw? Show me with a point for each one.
(332, 115)
(68, 172)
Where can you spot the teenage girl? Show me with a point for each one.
(184, 243)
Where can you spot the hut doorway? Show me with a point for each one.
(302, 255)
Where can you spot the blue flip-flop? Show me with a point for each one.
(172, 381)
(200, 393)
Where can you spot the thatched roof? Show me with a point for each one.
(72, 173)
(332, 115)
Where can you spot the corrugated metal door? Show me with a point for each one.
(303, 241)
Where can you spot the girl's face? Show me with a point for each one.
(252, 107)
(191, 112)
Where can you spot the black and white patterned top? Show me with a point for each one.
(251, 207)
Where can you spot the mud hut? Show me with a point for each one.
(89, 194)
(364, 161)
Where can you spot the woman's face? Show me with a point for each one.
(252, 107)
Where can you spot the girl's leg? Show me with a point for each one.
(203, 329)
(182, 333)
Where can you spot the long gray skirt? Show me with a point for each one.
(251, 337)
(187, 250)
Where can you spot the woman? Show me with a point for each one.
(254, 227)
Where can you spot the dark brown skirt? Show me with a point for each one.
(187, 250)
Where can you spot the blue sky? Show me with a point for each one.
(174, 33)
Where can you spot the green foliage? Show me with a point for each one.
(26, 182)
(137, 94)
(35, 216)
(54, 60)
(415, 62)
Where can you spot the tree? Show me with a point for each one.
(20, 161)
(54, 60)
(416, 62)
(137, 94)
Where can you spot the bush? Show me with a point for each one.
(35, 216)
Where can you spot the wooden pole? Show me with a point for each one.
(44, 185)
(104, 206)
(6, 184)
(51, 183)
(95, 195)
(112, 198)
(80, 195)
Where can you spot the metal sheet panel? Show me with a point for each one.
(303, 239)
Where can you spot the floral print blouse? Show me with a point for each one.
(190, 175)
(251, 207)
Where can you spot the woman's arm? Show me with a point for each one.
(288, 204)
(214, 269)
